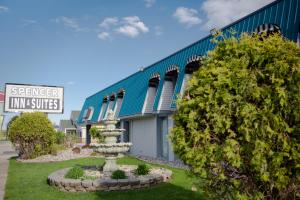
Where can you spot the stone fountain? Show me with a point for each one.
(111, 148)
(103, 180)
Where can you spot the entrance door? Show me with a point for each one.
(88, 135)
(163, 141)
(126, 126)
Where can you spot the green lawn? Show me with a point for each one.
(28, 181)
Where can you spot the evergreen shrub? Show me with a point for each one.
(142, 169)
(118, 174)
(75, 173)
(32, 134)
(238, 122)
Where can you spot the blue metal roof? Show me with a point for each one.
(285, 13)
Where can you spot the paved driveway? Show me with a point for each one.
(6, 152)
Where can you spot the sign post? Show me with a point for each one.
(1, 111)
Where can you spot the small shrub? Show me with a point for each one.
(60, 137)
(96, 133)
(75, 173)
(56, 148)
(142, 169)
(32, 134)
(118, 174)
(70, 140)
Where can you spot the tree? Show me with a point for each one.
(32, 134)
(238, 123)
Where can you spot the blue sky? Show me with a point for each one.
(85, 46)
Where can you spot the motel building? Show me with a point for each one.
(145, 101)
(1, 109)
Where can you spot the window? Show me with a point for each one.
(88, 113)
(111, 104)
(103, 108)
(151, 93)
(163, 142)
(267, 29)
(119, 102)
(192, 65)
(126, 135)
(84, 114)
(167, 93)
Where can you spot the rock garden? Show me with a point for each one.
(109, 176)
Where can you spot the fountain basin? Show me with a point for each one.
(112, 148)
(112, 133)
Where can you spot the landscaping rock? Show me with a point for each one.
(76, 150)
(155, 176)
(123, 182)
(87, 183)
(61, 156)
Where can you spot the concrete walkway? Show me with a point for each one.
(6, 152)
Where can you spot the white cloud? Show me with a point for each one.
(222, 12)
(129, 31)
(3, 9)
(108, 22)
(70, 23)
(28, 22)
(132, 26)
(135, 21)
(104, 35)
(149, 3)
(158, 30)
(187, 16)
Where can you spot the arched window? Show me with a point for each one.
(168, 88)
(151, 93)
(88, 113)
(103, 108)
(119, 102)
(267, 29)
(110, 104)
(191, 66)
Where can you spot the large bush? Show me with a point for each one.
(238, 124)
(32, 134)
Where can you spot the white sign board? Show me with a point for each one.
(33, 98)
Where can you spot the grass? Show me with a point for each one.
(28, 181)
